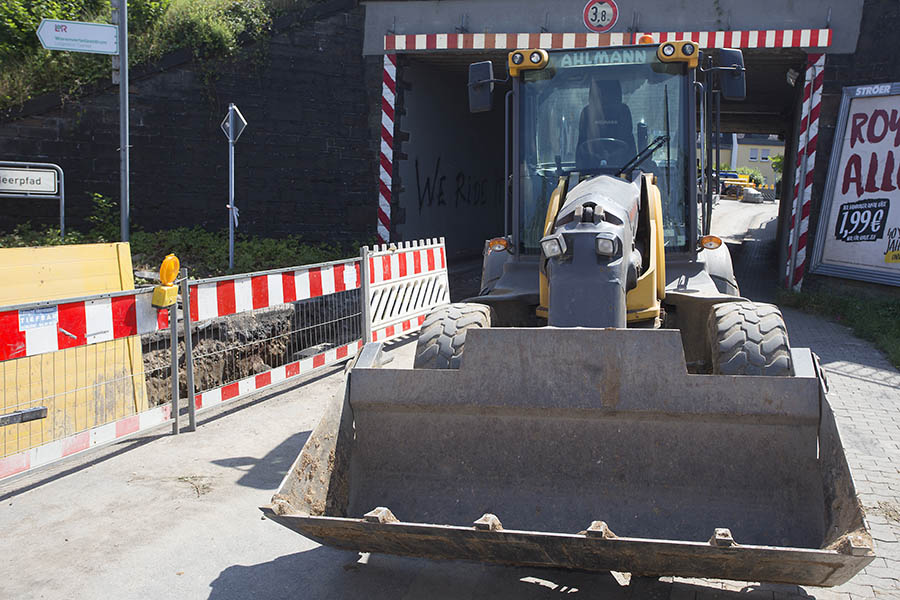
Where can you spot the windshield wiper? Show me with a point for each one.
(643, 154)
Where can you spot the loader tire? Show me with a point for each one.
(747, 338)
(443, 334)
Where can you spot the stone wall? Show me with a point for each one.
(306, 163)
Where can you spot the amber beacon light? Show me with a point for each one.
(166, 294)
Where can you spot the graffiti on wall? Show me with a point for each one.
(434, 188)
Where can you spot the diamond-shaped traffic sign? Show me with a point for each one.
(239, 123)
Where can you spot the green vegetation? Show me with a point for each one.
(756, 175)
(204, 253)
(874, 319)
(211, 28)
(777, 161)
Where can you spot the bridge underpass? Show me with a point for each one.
(449, 163)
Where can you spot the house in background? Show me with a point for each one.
(755, 150)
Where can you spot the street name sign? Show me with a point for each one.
(28, 181)
(75, 36)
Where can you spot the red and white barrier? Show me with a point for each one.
(406, 282)
(38, 328)
(255, 383)
(385, 173)
(51, 452)
(225, 296)
(804, 171)
(763, 38)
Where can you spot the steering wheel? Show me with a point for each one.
(594, 151)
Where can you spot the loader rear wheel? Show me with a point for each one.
(747, 338)
(443, 334)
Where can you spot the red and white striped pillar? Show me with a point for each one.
(804, 170)
(385, 171)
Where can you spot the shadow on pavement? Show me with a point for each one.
(267, 472)
(328, 573)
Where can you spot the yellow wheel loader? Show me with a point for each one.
(609, 401)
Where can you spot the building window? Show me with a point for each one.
(754, 153)
(764, 154)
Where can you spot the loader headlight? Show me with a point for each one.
(668, 50)
(535, 57)
(553, 245)
(607, 244)
(517, 58)
(687, 49)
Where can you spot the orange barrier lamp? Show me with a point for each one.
(166, 294)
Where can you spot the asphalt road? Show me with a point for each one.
(176, 516)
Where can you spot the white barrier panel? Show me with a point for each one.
(404, 282)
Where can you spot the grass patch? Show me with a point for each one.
(874, 319)
(204, 253)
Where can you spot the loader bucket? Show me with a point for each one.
(583, 449)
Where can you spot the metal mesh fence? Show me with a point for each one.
(228, 349)
(83, 387)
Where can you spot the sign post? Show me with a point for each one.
(233, 125)
(30, 180)
(100, 38)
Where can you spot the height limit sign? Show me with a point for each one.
(600, 15)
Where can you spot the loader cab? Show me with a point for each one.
(577, 114)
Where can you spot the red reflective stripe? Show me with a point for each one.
(288, 286)
(318, 361)
(443, 262)
(358, 277)
(292, 369)
(387, 109)
(230, 391)
(198, 401)
(371, 269)
(259, 291)
(15, 463)
(389, 42)
(76, 443)
(263, 379)
(341, 352)
(162, 318)
(779, 38)
(431, 41)
(406, 325)
(339, 285)
(129, 425)
(72, 320)
(401, 258)
(430, 256)
(12, 341)
(421, 319)
(225, 304)
(124, 316)
(417, 262)
(386, 268)
(315, 282)
(389, 331)
(195, 310)
(580, 40)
